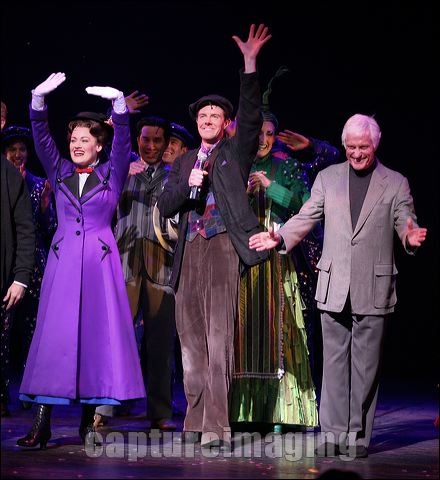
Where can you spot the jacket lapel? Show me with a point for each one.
(70, 186)
(344, 200)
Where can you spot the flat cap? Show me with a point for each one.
(180, 132)
(213, 99)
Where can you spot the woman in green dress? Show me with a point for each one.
(273, 381)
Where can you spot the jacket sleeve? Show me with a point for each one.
(249, 119)
(176, 190)
(21, 217)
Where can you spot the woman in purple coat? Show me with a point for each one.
(84, 348)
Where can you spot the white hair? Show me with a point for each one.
(360, 124)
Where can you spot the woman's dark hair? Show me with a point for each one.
(100, 131)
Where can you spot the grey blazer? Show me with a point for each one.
(358, 261)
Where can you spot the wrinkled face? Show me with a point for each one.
(17, 154)
(174, 149)
(151, 143)
(211, 123)
(359, 150)
(84, 147)
(266, 139)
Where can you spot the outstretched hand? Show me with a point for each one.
(135, 101)
(264, 240)
(50, 84)
(109, 93)
(415, 236)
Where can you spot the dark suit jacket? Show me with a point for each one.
(229, 167)
(17, 244)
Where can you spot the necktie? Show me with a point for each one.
(84, 170)
(149, 172)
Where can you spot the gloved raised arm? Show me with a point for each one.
(50, 84)
(110, 93)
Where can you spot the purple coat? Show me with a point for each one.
(84, 345)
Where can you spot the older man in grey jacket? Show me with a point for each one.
(363, 203)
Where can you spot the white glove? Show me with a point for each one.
(50, 84)
(110, 93)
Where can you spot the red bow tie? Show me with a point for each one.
(84, 170)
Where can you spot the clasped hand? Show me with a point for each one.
(196, 177)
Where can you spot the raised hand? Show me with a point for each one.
(50, 84)
(135, 101)
(252, 46)
(109, 93)
(294, 141)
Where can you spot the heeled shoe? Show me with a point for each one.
(40, 432)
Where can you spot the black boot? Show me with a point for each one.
(40, 432)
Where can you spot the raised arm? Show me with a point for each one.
(45, 146)
(121, 146)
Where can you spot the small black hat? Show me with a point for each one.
(97, 117)
(180, 132)
(218, 100)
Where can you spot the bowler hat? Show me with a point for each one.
(180, 132)
(213, 99)
(97, 117)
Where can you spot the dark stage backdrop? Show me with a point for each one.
(344, 57)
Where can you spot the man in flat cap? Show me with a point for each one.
(181, 140)
(207, 187)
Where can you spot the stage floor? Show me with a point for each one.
(405, 445)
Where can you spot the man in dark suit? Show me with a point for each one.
(207, 187)
(16, 258)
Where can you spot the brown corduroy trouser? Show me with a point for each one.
(206, 310)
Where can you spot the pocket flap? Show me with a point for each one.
(388, 269)
(324, 264)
